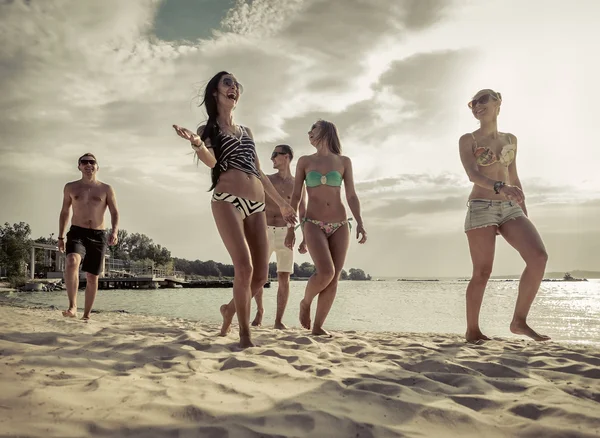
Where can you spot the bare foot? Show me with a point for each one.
(227, 318)
(279, 325)
(521, 328)
(475, 337)
(258, 318)
(85, 318)
(305, 314)
(319, 332)
(245, 341)
(71, 313)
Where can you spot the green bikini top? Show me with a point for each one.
(315, 179)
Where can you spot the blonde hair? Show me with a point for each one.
(496, 94)
(329, 133)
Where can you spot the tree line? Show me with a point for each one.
(132, 249)
(211, 268)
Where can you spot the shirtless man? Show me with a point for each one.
(283, 181)
(86, 238)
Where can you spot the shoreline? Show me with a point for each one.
(23, 304)
(147, 376)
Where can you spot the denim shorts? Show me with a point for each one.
(485, 212)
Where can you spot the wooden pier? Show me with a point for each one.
(136, 282)
(123, 274)
(154, 282)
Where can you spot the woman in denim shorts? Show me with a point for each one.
(497, 206)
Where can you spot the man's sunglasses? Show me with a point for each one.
(84, 162)
(228, 82)
(482, 100)
(275, 153)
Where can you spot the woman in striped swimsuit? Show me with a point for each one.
(238, 200)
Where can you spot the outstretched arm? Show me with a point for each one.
(63, 218)
(352, 199)
(513, 176)
(111, 201)
(469, 162)
(302, 214)
(203, 149)
(286, 211)
(298, 193)
(302, 207)
(467, 158)
(270, 190)
(298, 198)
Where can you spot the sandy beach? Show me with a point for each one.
(127, 375)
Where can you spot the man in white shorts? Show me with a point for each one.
(283, 181)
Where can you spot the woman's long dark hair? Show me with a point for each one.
(212, 130)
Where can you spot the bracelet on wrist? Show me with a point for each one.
(194, 139)
(498, 186)
(60, 238)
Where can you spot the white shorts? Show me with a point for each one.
(285, 256)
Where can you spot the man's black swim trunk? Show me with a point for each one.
(90, 244)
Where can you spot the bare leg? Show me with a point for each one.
(283, 294)
(91, 288)
(227, 313)
(229, 308)
(338, 246)
(72, 283)
(318, 247)
(255, 228)
(231, 228)
(482, 244)
(522, 235)
(260, 310)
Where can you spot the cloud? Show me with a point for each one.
(426, 82)
(395, 208)
(78, 76)
(101, 82)
(262, 18)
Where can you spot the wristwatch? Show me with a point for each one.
(498, 186)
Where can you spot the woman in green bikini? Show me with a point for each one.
(497, 206)
(326, 226)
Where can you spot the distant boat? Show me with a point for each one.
(417, 279)
(567, 277)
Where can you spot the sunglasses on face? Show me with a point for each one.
(482, 100)
(84, 162)
(228, 82)
(275, 153)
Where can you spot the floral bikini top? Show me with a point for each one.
(487, 157)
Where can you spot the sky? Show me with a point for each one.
(112, 77)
